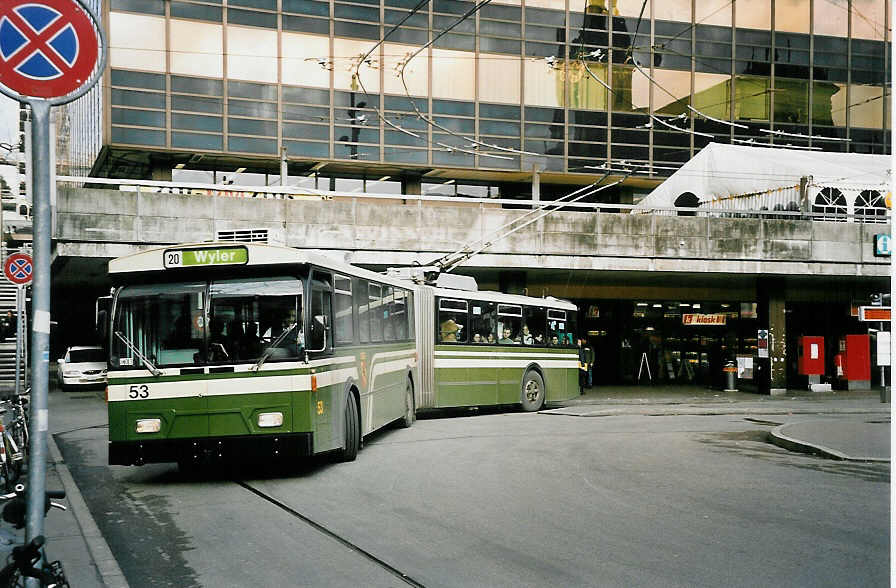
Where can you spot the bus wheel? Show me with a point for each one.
(533, 392)
(352, 433)
(409, 414)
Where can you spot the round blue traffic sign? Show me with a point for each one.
(18, 268)
(48, 48)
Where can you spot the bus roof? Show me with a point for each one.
(237, 254)
(491, 296)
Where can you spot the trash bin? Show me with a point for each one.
(730, 370)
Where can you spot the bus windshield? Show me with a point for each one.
(248, 317)
(227, 321)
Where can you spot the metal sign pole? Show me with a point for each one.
(19, 339)
(40, 324)
(75, 67)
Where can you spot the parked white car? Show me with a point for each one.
(82, 366)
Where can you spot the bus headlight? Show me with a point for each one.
(270, 419)
(149, 425)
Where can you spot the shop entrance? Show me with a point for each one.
(684, 343)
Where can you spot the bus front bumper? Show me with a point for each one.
(245, 449)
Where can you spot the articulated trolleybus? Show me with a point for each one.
(253, 352)
(226, 351)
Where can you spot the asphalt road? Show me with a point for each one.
(503, 499)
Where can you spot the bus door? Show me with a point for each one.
(326, 401)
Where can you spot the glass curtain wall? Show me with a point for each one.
(519, 83)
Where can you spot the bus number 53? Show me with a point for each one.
(141, 391)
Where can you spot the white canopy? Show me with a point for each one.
(721, 172)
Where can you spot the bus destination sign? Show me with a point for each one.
(177, 258)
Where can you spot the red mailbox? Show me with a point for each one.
(811, 356)
(856, 351)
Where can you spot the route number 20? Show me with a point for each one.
(141, 391)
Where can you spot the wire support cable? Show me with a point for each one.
(475, 143)
(452, 260)
(801, 136)
(365, 57)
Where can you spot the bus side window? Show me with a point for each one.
(343, 333)
(321, 338)
(510, 324)
(557, 325)
(534, 326)
(452, 321)
(482, 322)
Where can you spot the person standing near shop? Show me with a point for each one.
(588, 353)
(583, 365)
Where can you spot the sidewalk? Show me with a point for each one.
(72, 536)
(846, 425)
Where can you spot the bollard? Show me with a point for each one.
(730, 370)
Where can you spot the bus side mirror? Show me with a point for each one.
(101, 322)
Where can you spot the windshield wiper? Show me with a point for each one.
(270, 349)
(152, 368)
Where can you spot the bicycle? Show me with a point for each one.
(24, 557)
(22, 560)
(14, 443)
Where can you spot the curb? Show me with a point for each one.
(696, 411)
(106, 565)
(781, 440)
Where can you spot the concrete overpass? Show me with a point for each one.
(93, 225)
(582, 254)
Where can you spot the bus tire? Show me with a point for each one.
(533, 392)
(409, 411)
(352, 432)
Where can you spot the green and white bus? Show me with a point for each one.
(253, 352)
(480, 348)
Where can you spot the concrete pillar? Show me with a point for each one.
(773, 318)
(413, 185)
(160, 171)
(536, 184)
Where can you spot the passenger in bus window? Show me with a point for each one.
(448, 331)
(555, 341)
(527, 336)
(477, 338)
(250, 344)
(491, 338)
(235, 334)
(506, 340)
